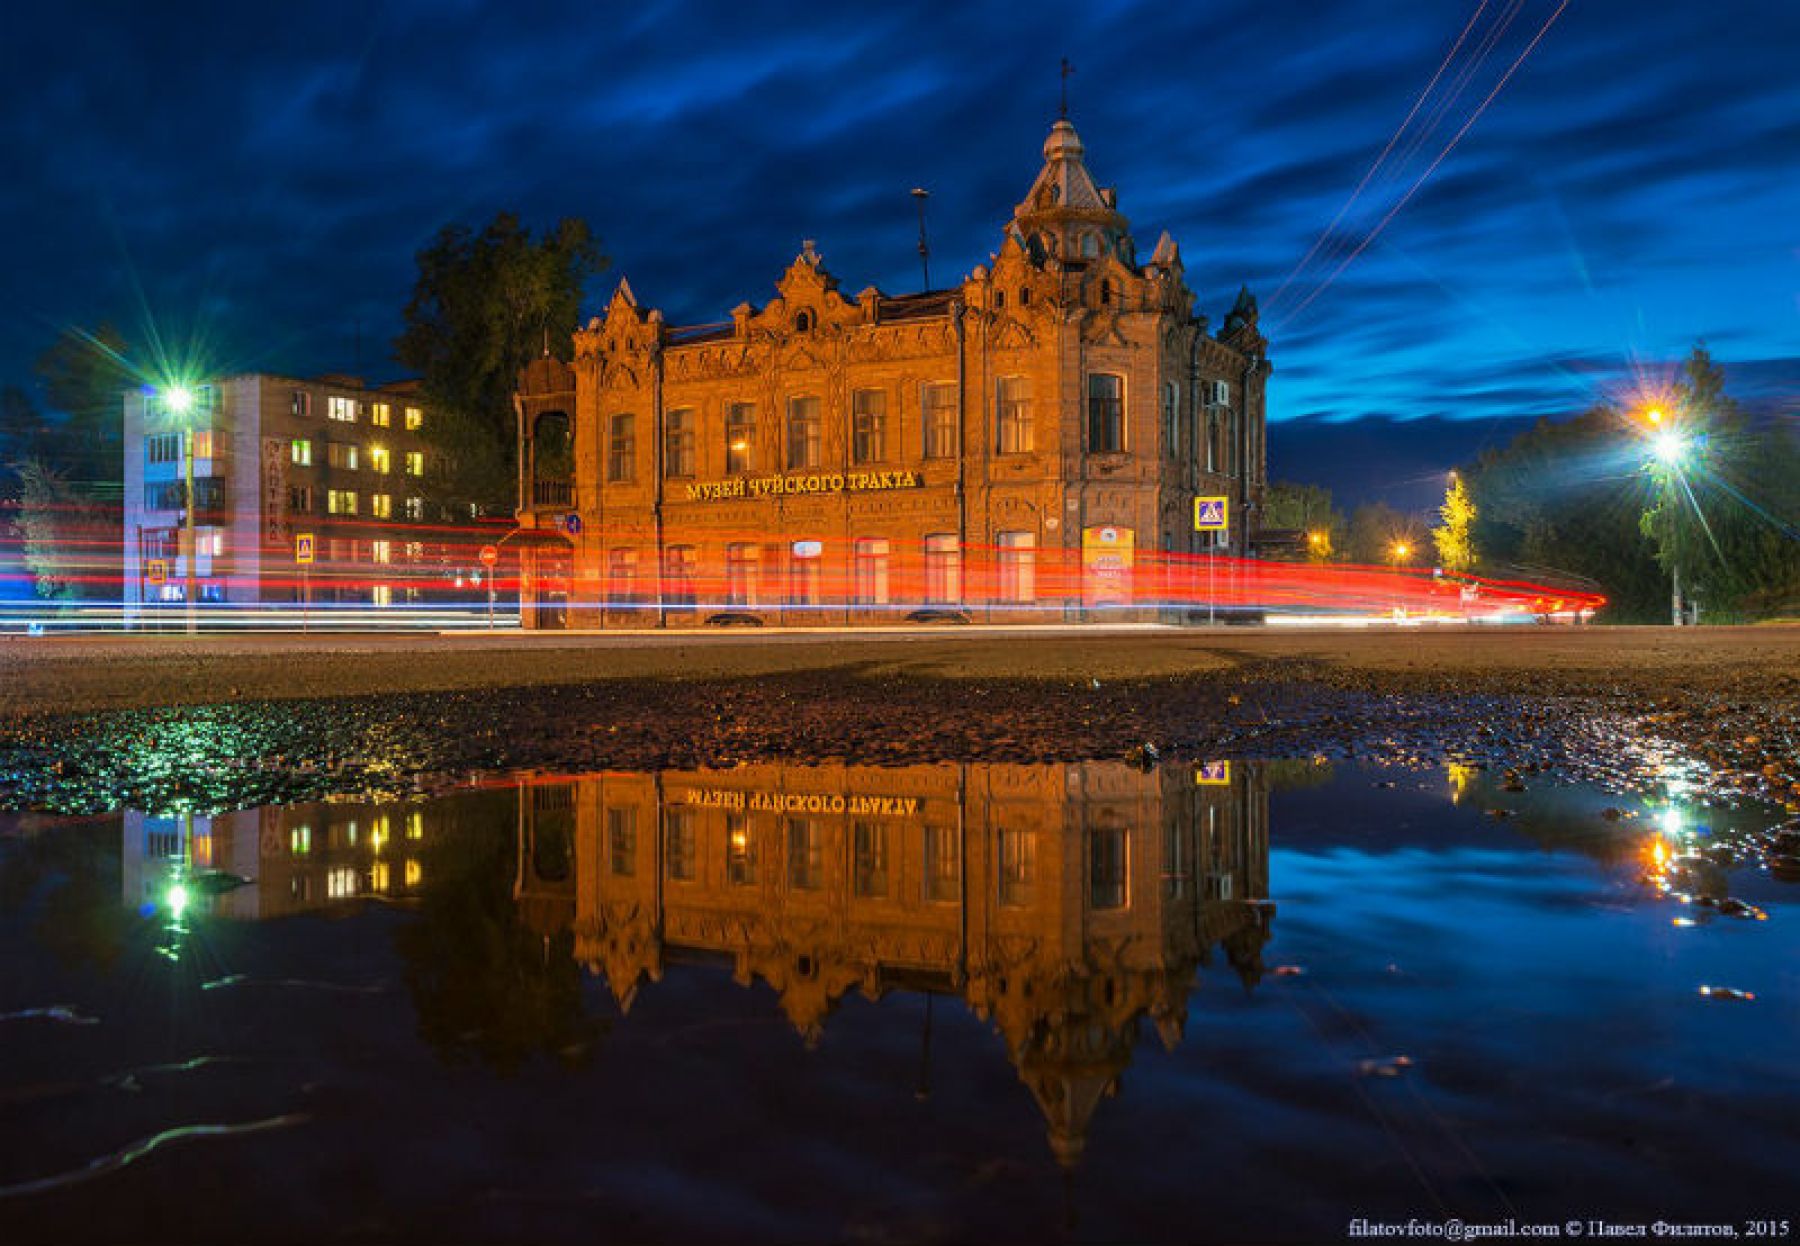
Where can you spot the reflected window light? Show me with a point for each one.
(340, 883)
(300, 841)
(740, 851)
(415, 824)
(378, 876)
(413, 873)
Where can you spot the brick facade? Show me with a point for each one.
(836, 459)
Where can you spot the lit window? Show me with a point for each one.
(203, 443)
(415, 824)
(740, 851)
(871, 571)
(299, 841)
(343, 455)
(381, 552)
(868, 442)
(805, 433)
(1106, 414)
(415, 507)
(381, 595)
(1018, 566)
(381, 415)
(414, 875)
(1013, 409)
(340, 502)
(415, 462)
(340, 883)
(378, 876)
(341, 409)
(939, 402)
(678, 444)
(381, 505)
(415, 551)
(301, 452)
(740, 439)
(415, 418)
(943, 568)
(378, 459)
(621, 449)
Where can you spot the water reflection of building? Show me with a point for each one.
(293, 858)
(1063, 903)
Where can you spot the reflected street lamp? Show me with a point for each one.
(178, 400)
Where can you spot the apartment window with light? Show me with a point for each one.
(415, 507)
(340, 502)
(871, 571)
(868, 415)
(415, 419)
(805, 433)
(1012, 411)
(301, 452)
(740, 439)
(943, 568)
(381, 551)
(381, 505)
(1018, 567)
(381, 414)
(342, 410)
(415, 462)
(938, 403)
(742, 561)
(342, 455)
(381, 595)
(621, 449)
(1106, 413)
(740, 851)
(678, 444)
(379, 459)
(415, 551)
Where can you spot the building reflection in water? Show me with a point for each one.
(1064, 904)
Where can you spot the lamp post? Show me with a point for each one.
(1398, 553)
(178, 400)
(1670, 449)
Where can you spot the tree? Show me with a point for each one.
(1376, 528)
(1455, 544)
(1306, 509)
(1724, 500)
(84, 376)
(69, 541)
(484, 305)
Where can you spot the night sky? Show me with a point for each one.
(256, 179)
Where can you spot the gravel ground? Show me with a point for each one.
(94, 724)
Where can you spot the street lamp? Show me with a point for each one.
(1671, 449)
(178, 400)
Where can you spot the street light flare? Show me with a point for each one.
(179, 399)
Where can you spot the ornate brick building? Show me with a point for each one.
(1027, 444)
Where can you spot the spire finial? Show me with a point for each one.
(1067, 69)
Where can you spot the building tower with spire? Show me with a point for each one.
(1026, 445)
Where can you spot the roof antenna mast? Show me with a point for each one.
(921, 194)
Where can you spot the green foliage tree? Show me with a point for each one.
(68, 540)
(1724, 511)
(1374, 529)
(84, 376)
(1306, 509)
(1453, 537)
(483, 306)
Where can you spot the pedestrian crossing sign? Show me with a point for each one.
(1211, 514)
(303, 548)
(1212, 774)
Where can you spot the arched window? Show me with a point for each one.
(1024, 296)
(1106, 293)
(999, 299)
(803, 322)
(1106, 413)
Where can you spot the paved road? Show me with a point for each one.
(44, 674)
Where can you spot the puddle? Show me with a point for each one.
(1246, 1001)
